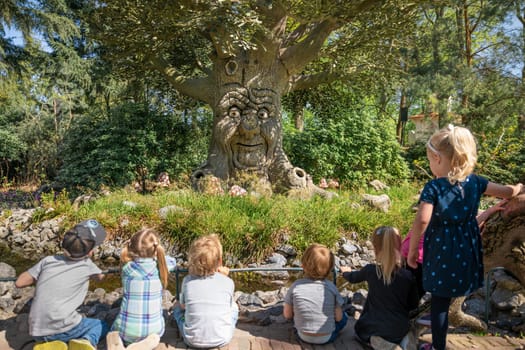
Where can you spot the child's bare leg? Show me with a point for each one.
(114, 342)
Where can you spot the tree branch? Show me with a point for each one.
(303, 82)
(296, 57)
(198, 88)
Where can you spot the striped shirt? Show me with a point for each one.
(141, 309)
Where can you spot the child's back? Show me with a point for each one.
(144, 276)
(61, 287)
(206, 313)
(392, 292)
(387, 307)
(453, 256)
(62, 283)
(211, 296)
(313, 302)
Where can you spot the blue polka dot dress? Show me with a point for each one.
(452, 252)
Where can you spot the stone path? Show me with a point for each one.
(13, 335)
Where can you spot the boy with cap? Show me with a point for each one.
(62, 283)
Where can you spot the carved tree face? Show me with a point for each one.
(248, 128)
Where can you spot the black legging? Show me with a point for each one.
(418, 275)
(439, 316)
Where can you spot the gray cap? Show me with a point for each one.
(92, 230)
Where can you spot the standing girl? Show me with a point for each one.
(453, 260)
(392, 293)
(144, 275)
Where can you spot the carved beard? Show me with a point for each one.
(248, 128)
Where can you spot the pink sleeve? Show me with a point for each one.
(405, 246)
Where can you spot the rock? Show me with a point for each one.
(475, 307)
(129, 204)
(378, 185)
(505, 299)
(170, 209)
(287, 250)
(381, 202)
(348, 249)
(277, 260)
(4, 232)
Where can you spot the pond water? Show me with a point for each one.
(247, 282)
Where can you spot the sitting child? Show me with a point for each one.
(313, 302)
(206, 313)
(62, 283)
(392, 293)
(140, 323)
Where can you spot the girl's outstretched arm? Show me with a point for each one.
(419, 226)
(503, 191)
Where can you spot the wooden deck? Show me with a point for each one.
(248, 336)
(281, 337)
(274, 337)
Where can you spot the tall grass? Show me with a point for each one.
(250, 227)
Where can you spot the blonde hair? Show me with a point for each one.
(387, 245)
(205, 256)
(318, 261)
(146, 244)
(457, 144)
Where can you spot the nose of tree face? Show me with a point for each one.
(249, 125)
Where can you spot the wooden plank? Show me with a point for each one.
(329, 346)
(306, 346)
(262, 344)
(277, 344)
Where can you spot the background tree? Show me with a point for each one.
(243, 57)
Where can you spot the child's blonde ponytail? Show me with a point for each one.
(387, 245)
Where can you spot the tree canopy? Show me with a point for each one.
(315, 42)
(84, 63)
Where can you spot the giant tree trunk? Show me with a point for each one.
(246, 102)
(504, 239)
(504, 246)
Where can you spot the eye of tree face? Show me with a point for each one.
(234, 112)
(263, 113)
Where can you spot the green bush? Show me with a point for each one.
(130, 144)
(353, 146)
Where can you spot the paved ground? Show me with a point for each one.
(13, 335)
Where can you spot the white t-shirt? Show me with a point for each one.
(61, 286)
(208, 317)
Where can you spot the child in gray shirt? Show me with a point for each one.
(313, 302)
(62, 283)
